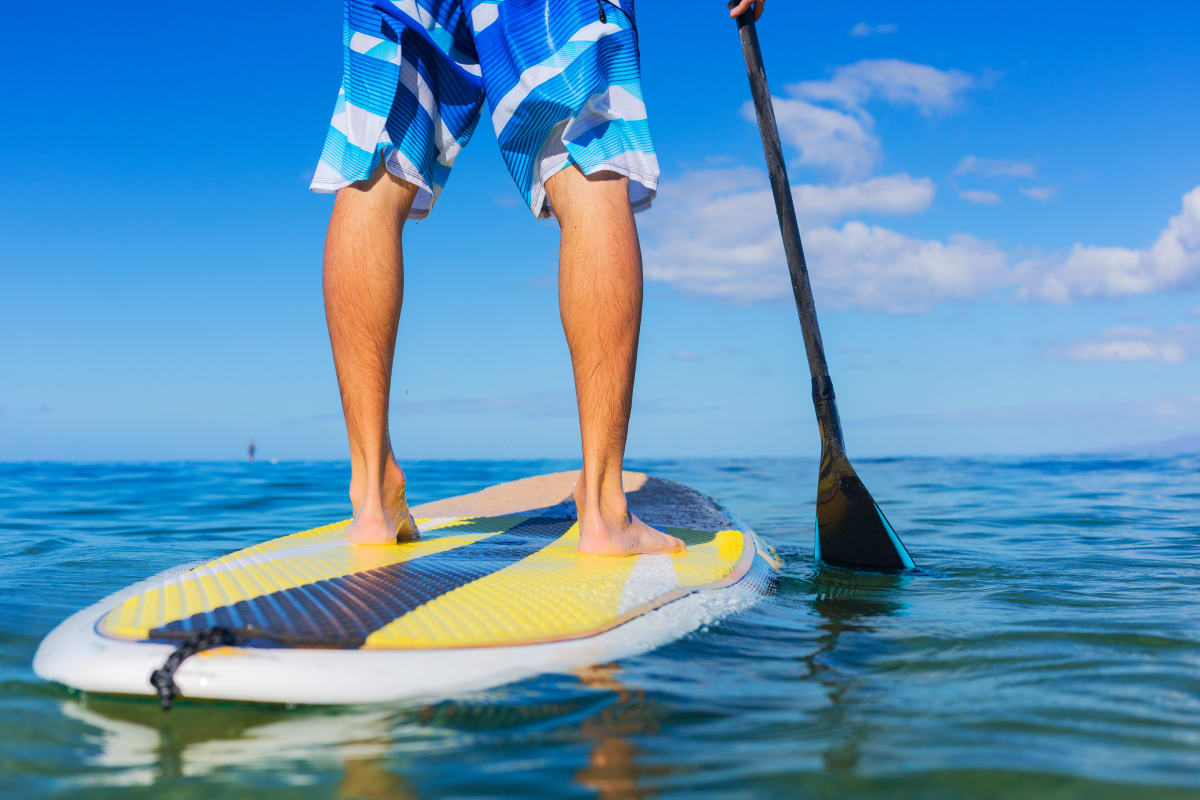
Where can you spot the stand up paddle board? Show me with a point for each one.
(493, 591)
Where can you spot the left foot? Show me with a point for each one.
(387, 521)
(382, 528)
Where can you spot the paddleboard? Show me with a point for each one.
(493, 591)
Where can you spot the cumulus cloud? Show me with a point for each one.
(825, 137)
(1005, 167)
(865, 29)
(1125, 343)
(1039, 193)
(885, 194)
(903, 83)
(876, 268)
(722, 200)
(980, 196)
(1172, 262)
(715, 234)
(714, 231)
(827, 124)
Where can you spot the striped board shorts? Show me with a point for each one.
(562, 78)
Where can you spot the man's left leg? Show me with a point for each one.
(364, 289)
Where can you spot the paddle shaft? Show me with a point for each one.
(823, 397)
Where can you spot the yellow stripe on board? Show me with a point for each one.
(273, 547)
(556, 592)
(708, 562)
(285, 563)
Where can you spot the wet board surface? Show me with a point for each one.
(494, 590)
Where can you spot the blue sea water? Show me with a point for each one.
(1050, 646)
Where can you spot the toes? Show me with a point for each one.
(669, 544)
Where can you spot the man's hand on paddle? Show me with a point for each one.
(747, 5)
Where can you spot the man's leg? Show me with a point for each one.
(600, 300)
(364, 288)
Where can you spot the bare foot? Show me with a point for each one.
(611, 530)
(382, 529)
(386, 520)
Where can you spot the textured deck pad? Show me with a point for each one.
(467, 582)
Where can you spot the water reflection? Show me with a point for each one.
(370, 779)
(850, 605)
(130, 742)
(138, 745)
(612, 770)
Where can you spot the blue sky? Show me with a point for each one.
(993, 204)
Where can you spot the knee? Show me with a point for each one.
(383, 197)
(572, 193)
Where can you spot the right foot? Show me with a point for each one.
(386, 521)
(626, 537)
(613, 531)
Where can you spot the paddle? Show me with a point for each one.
(851, 528)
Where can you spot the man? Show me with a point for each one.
(562, 78)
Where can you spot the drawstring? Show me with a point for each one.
(163, 678)
(615, 4)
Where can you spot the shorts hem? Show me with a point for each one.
(422, 203)
(643, 180)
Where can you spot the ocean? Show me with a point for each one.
(1049, 645)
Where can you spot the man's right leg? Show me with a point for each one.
(600, 300)
(364, 289)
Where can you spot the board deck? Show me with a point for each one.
(494, 589)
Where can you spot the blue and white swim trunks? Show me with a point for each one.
(562, 78)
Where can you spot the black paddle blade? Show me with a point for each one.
(851, 528)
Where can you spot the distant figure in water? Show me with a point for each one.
(251, 450)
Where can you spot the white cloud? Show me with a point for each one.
(1172, 262)
(721, 201)
(1039, 193)
(1005, 167)
(885, 194)
(980, 196)
(864, 29)
(1125, 343)
(928, 89)
(876, 268)
(825, 137)
(685, 355)
(843, 138)
(715, 233)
